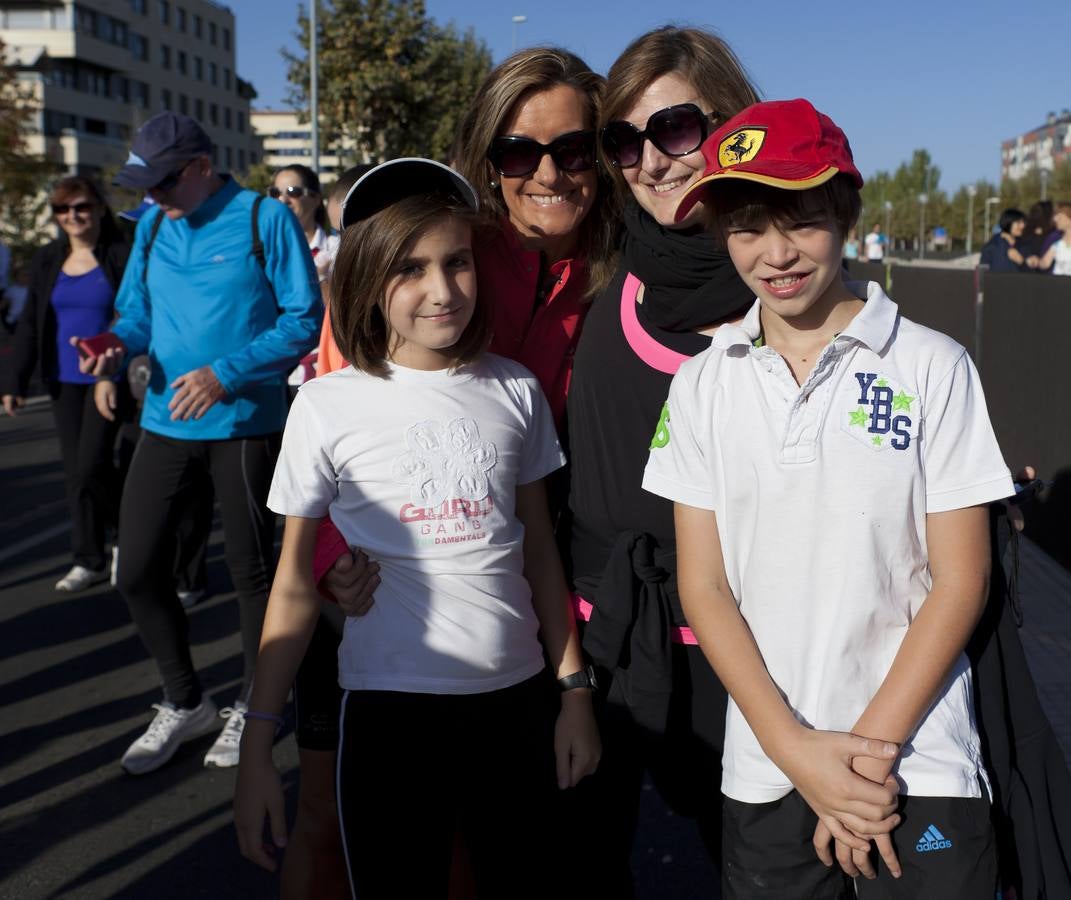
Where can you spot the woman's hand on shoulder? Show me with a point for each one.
(577, 745)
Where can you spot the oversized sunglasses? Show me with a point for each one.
(515, 157)
(676, 131)
(80, 209)
(169, 181)
(292, 191)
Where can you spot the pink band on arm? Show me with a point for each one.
(330, 545)
(582, 609)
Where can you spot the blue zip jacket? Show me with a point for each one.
(207, 301)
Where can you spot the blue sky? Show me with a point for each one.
(953, 76)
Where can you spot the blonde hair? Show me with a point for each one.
(701, 58)
(367, 256)
(513, 80)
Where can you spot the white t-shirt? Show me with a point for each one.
(1062, 260)
(324, 248)
(420, 470)
(821, 494)
(875, 247)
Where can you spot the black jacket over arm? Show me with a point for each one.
(35, 333)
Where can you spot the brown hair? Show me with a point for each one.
(367, 256)
(701, 58)
(71, 186)
(512, 81)
(737, 203)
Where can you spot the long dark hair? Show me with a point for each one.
(310, 181)
(76, 185)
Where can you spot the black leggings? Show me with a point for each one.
(413, 768)
(162, 473)
(87, 443)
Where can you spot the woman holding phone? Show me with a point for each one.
(73, 282)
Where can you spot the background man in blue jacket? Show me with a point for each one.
(221, 292)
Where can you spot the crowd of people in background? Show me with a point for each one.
(446, 376)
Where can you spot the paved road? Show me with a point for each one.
(75, 689)
(76, 686)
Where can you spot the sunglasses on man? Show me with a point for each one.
(79, 209)
(516, 157)
(295, 191)
(171, 180)
(676, 131)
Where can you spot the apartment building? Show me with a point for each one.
(1041, 148)
(286, 140)
(99, 68)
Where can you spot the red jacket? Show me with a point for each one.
(541, 338)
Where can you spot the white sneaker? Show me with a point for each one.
(189, 599)
(224, 752)
(168, 729)
(115, 565)
(80, 578)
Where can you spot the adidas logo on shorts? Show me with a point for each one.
(932, 839)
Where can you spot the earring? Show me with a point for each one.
(493, 185)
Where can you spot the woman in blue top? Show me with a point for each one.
(73, 282)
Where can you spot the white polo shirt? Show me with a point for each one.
(821, 494)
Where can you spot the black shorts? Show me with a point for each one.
(317, 696)
(945, 846)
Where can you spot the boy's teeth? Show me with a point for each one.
(548, 200)
(785, 280)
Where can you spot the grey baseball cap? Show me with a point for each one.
(160, 147)
(399, 178)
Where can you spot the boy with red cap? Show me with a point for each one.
(830, 463)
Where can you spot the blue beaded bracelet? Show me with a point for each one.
(267, 717)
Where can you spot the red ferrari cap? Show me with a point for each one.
(782, 143)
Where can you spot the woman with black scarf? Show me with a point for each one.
(662, 709)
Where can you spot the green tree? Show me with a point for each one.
(391, 81)
(257, 177)
(24, 176)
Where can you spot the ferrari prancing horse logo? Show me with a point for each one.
(741, 146)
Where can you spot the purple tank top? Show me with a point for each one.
(83, 305)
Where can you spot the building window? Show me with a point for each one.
(140, 91)
(141, 7)
(25, 19)
(199, 109)
(181, 14)
(165, 99)
(198, 26)
(139, 47)
(226, 117)
(183, 104)
(241, 160)
(226, 39)
(165, 12)
(198, 68)
(215, 155)
(241, 121)
(213, 73)
(230, 158)
(213, 114)
(182, 61)
(226, 78)
(165, 56)
(213, 35)
(121, 88)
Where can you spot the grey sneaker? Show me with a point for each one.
(224, 752)
(79, 578)
(168, 729)
(189, 599)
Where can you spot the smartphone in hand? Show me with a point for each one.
(92, 347)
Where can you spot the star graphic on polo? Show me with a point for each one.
(902, 401)
(883, 382)
(445, 462)
(876, 440)
(858, 416)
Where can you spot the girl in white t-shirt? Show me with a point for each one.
(429, 454)
(1059, 254)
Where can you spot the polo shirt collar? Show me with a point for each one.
(873, 326)
(214, 204)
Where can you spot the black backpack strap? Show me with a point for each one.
(148, 245)
(258, 244)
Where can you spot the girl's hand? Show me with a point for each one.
(577, 746)
(259, 792)
(853, 808)
(105, 397)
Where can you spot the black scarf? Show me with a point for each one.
(688, 282)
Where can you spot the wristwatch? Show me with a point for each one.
(585, 678)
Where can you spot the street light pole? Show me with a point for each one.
(971, 191)
(888, 224)
(314, 111)
(922, 225)
(517, 20)
(988, 201)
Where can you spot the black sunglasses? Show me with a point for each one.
(169, 181)
(59, 209)
(675, 130)
(294, 191)
(515, 157)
